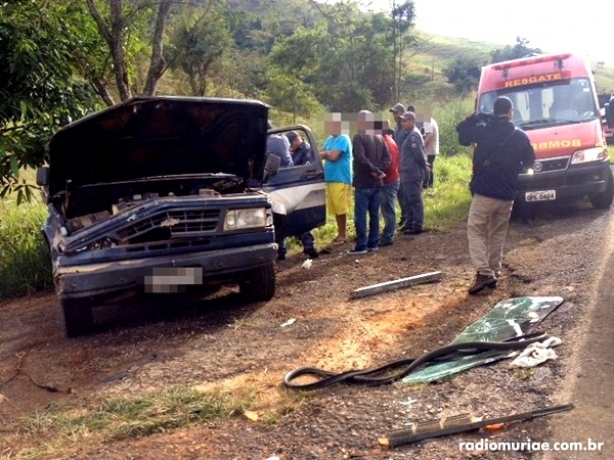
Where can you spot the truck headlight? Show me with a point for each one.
(587, 155)
(237, 219)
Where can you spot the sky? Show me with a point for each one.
(585, 27)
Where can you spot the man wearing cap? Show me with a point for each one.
(399, 132)
(501, 152)
(412, 168)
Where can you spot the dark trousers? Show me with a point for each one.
(412, 205)
(307, 239)
(430, 177)
(366, 202)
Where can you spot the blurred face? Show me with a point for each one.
(397, 116)
(333, 127)
(408, 125)
(296, 143)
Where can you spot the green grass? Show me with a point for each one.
(60, 425)
(24, 259)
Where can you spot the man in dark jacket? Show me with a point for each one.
(300, 149)
(302, 154)
(413, 167)
(501, 153)
(371, 158)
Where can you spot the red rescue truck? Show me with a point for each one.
(555, 103)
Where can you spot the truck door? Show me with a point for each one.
(298, 192)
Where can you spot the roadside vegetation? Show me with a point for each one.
(64, 425)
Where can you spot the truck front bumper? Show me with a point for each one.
(103, 279)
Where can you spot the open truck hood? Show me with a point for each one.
(147, 137)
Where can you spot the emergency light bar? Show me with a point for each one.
(535, 60)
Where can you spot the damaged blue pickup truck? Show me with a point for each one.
(169, 194)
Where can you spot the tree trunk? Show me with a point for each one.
(157, 65)
(102, 91)
(114, 38)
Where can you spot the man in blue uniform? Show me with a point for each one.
(413, 167)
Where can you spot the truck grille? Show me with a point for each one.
(172, 224)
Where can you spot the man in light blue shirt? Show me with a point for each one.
(337, 156)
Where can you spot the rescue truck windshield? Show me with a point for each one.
(553, 103)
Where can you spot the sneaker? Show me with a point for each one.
(416, 231)
(372, 249)
(311, 252)
(481, 282)
(357, 252)
(385, 243)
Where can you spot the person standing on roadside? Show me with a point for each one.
(390, 190)
(501, 153)
(431, 147)
(412, 169)
(371, 158)
(337, 156)
(399, 136)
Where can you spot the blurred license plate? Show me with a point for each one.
(542, 195)
(172, 279)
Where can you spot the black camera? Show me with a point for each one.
(484, 119)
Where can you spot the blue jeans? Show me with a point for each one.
(413, 206)
(366, 201)
(388, 196)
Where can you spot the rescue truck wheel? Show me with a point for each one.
(604, 199)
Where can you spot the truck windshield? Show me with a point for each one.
(547, 104)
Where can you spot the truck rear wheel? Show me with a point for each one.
(260, 284)
(604, 199)
(78, 316)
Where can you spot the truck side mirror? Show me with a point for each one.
(609, 113)
(271, 167)
(42, 176)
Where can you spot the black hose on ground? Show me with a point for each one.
(370, 376)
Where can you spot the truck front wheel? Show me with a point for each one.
(78, 316)
(604, 199)
(259, 285)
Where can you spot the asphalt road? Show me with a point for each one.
(589, 385)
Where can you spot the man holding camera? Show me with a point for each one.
(501, 152)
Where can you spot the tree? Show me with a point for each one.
(114, 27)
(38, 89)
(464, 74)
(196, 44)
(403, 16)
(344, 60)
(519, 50)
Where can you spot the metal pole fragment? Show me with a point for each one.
(388, 286)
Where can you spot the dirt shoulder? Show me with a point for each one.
(220, 343)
